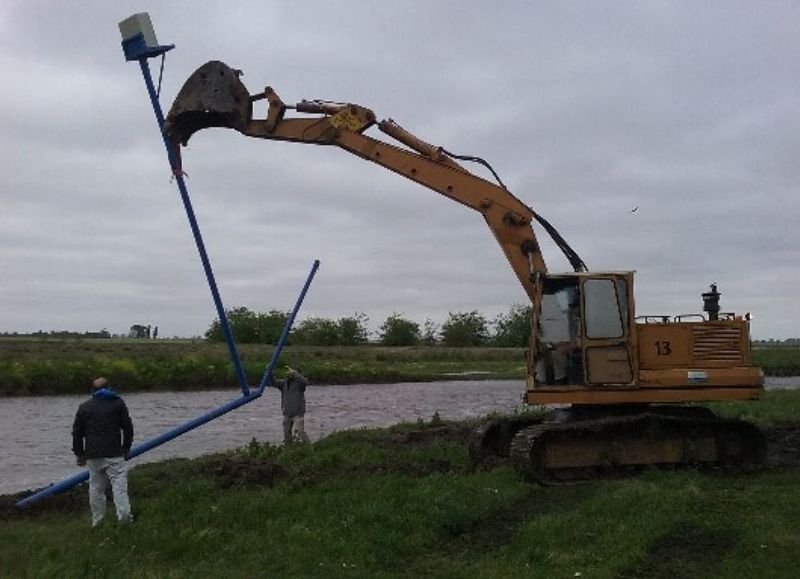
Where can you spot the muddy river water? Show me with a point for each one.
(35, 439)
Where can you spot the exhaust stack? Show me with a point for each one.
(711, 303)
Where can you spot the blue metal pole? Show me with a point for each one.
(77, 479)
(142, 448)
(288, 326)
(56, 488)
(142, 54)
(192, 424)
(212, 284)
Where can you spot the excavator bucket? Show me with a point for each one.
(212, 97)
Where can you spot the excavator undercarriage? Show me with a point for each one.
(587, 442)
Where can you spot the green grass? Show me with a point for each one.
(67, 366)
(34, 367)
(778, 360)
(446, 525)
(405, 502)
(777, 406)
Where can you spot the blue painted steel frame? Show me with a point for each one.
(135, 48)
(133, 51)
(200, 420)
(172, 155)
(287, 326)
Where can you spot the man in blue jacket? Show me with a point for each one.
(102, 435)
(293, 404)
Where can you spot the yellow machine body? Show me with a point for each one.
(620, 375)
(590, 348)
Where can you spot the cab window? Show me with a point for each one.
(604, 314)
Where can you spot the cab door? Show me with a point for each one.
(607, 348)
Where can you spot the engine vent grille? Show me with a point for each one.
(722, 344)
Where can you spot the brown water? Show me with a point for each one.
(36, 443)
(35, 432)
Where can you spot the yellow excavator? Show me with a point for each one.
(620, 383)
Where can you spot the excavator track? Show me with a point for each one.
(588, 447)
(491, 442)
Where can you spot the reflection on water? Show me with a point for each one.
(35, 433)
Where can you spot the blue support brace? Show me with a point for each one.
(77, 479)
(135, 49)
(285, 334)
(174, 162)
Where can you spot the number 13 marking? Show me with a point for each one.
(663, 348)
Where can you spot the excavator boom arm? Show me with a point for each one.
(611, 365)
(215, 97)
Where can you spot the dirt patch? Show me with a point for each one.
(257, 472)
(681, 552)
(71, 501)
(406, 468)
(245, 471)
(783, 445)
(424, 435)
(248, 470)
(497, 528)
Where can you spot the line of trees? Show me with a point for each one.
(461, 329)
(58, 334)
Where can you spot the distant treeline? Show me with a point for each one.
(139, 331)
(460, 330)
(59, 335)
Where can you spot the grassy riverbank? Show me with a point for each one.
(67, 366)
(36, 367)
(405, 502)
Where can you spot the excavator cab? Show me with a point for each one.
(590, 348)
(584, 331)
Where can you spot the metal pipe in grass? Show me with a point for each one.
(256, 393)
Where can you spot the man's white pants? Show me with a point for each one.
(103, 471)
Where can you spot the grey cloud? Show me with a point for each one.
(586, 111)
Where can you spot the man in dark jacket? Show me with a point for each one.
(293, 404)
(102, 435)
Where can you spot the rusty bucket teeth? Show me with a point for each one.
(213, 96)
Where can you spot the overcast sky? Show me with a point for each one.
(689, 111)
